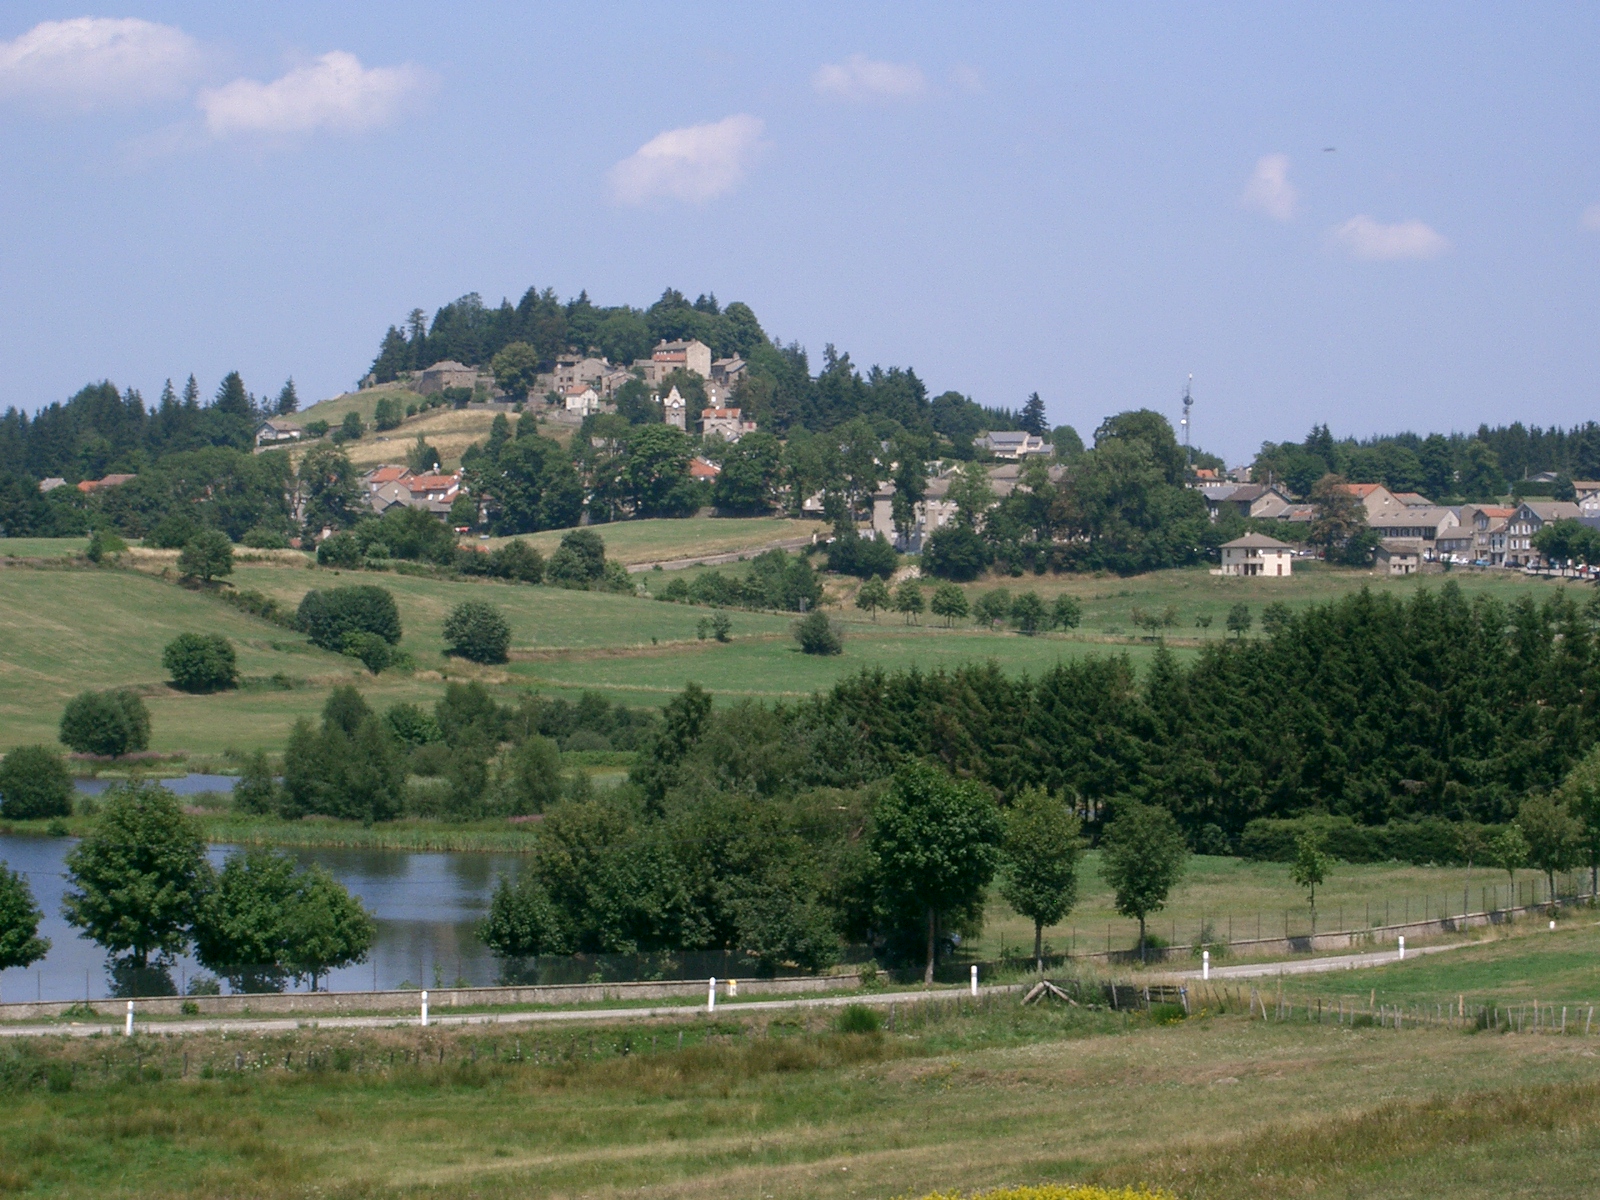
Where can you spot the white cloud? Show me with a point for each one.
(1373, 241)
(333, 93)
(1591, 218)
(91, 62)
(696, 164)
(1270, 191)
(860, 78)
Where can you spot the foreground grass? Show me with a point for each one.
(956, 1096)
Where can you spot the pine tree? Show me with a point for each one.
(1033, 419)
(191, 394)
(288, 398)
(231, 397)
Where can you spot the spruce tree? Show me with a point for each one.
(288, 398)
(1033, 418)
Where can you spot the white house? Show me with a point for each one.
(275, 429)
(1011, 443)
(581, 399)
(1256, 554)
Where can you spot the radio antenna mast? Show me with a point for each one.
(1188, 402)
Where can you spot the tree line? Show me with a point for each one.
(1447, 468)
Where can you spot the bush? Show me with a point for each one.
(206, 556)
(411, 725)
(173, 532)
(476, 630)
(106, 723)
(852, 554)
(200, 662)
(373, 652)
(579, 562)
(101, 543)
(34, 783)
(326, 616)
(256, 792)
(859, 1018)
(340, 550)
(818, 635)
(517, 560)
(956, 553)
(263, 538)
(1430, 840)
(316, 429)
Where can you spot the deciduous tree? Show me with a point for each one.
(1142, 855)
(1040, 855)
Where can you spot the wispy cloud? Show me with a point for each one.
(1591, 218)
(334, 93)
(861, 78)
(1270, 191)
(1370, 240)
(98, 62)
(695, 164)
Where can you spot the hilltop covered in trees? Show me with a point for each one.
(780, 391)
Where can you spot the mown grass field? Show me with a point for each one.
(955, 1096)
(1241, 900)
(661, 540)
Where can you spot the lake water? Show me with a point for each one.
(184, 785)
(427, 908)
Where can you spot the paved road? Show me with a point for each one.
(438, 1018)
(1307, 966)
(1315, 966)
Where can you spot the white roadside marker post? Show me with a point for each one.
(1205, 964)
(974, 979)
(711, 995)
(1402, 945)
(127, 1029)
(424, 1010)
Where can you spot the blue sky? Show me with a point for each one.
(1090, 202)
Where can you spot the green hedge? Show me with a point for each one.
(1429, 841)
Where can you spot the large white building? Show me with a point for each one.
(1256, 554)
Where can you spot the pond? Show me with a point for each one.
(183, 785)
(427, 905)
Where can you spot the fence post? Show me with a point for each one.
(127, 1030)
(711, 995)
(424, 1010)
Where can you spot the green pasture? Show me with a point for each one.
(333, 409)
(1108, 602)
(955, 1096)
(1240, 900)
(661, 540)
(42, 547)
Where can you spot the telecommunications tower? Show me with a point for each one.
(1188, 403)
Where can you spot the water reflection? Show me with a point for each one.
(184, 785)
(427, 906)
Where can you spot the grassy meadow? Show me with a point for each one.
(956, 1095)
(1238, 900)
(78, 627)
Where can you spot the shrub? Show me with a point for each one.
(206, 556)
(34, 782)
(340, 550)
(956, 553)
(866, 558)
(579, 562)
(263, 538)
(476, 630)
(103, 542)
(818, 635)
(316, 429)
(173, 532)
(859, 1018)
(106, 723)
(200, 662)
(411, 725)
(256, 792)
(372, 651)
(326, 616)
(517, 560)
